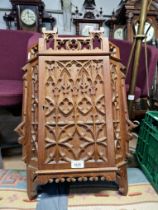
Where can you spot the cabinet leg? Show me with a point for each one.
(122, 180)
(31, 187)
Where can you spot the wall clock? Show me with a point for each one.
(28, 15)
(149, 31)
(127, 16)
(84, 26)
(119, 33)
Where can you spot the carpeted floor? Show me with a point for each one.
(83, 196)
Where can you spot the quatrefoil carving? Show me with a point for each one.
(66, 106)
(85, 106)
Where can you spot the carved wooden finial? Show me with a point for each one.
(89, 4)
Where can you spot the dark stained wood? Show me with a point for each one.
(13, 19)
(74, 110)
(127, 15)
(88, 16)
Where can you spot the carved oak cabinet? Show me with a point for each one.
(74, 112)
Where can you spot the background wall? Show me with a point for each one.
(54, 8)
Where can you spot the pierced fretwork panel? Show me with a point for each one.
(116, 94)
(34, 112)
(21, 128)
(52, 41)
(75, 111)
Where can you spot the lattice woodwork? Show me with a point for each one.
(74, 112)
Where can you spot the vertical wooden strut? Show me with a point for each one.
(139, 37)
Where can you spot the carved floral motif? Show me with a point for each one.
(79, 131)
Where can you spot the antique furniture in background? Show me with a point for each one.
(13, 56)
(144, 79)
(124, 22)
(29, 15)
(140, 29)
(89, 20)
(74, 124)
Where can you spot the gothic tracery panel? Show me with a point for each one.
(75, 111)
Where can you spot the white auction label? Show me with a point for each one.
(131, 97)
(77, 164)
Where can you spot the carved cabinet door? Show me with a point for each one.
(74, 102)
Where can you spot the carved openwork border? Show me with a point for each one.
(51, 40)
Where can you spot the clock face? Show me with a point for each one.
(87, 28)
(28, 17)
(148, 31)
(119, 33)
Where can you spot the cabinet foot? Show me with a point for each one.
(31, 187)
(122, 180)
